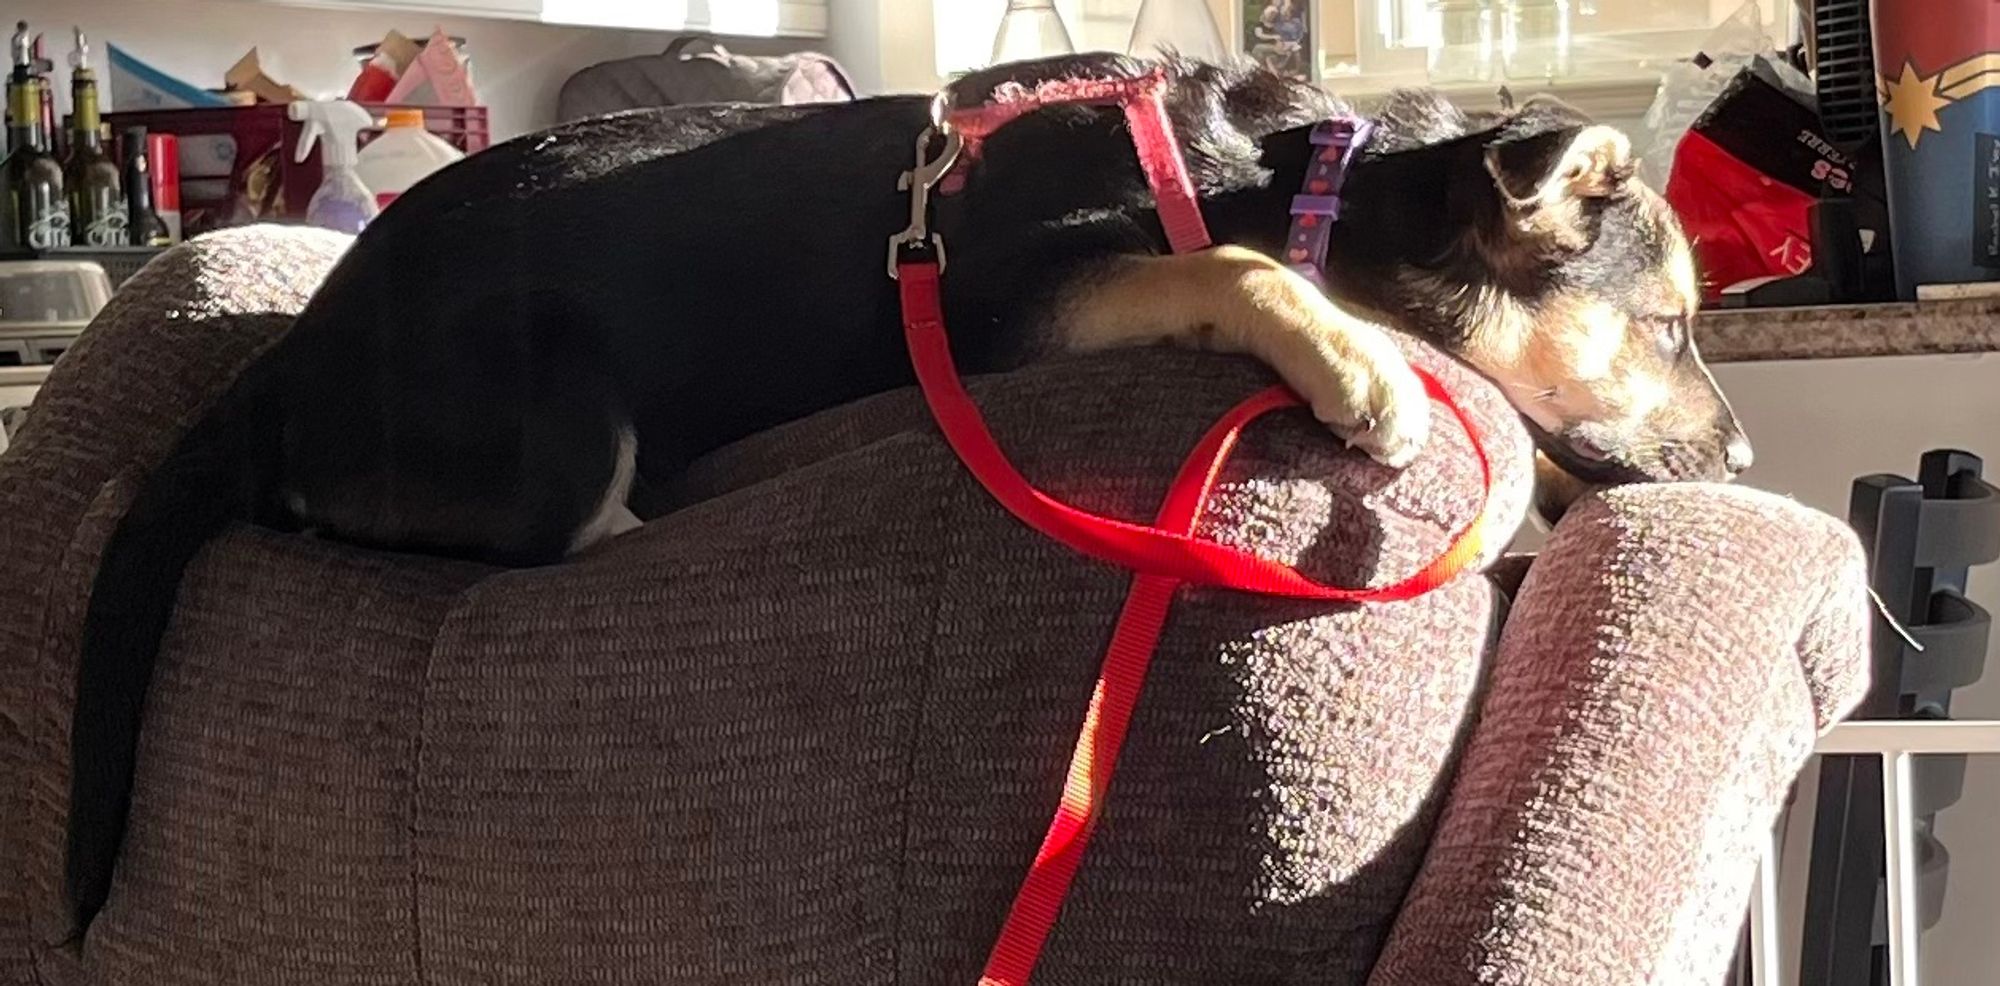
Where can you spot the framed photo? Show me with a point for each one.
(1282, 35)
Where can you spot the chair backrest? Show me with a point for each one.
(823, 705)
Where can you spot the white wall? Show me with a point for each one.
(888, 46)
(1819, 425)
(519, 65)
(854, 38)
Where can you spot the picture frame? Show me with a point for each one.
(1282, 35)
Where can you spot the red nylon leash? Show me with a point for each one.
(1163, 556)
(1150, 550)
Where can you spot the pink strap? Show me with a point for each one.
(1144, 101)
(1166, 171)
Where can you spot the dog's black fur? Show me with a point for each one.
(457, 384)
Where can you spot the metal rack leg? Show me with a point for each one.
(1898, 823)
(1767, 964)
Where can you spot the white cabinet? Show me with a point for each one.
(511, 9)
(738, 18)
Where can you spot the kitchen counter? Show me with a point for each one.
(1903, 329)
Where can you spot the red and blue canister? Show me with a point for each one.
(1937, 65)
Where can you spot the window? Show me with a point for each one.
(1383, 43)
(1372, 45)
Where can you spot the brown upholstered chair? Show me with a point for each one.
(808, 727)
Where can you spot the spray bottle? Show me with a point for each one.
(342, 202)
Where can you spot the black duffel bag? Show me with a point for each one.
(679, 76)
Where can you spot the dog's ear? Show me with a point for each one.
(1547, 168)
(1543, 177)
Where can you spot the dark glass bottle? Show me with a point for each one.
(38, 211)
(96, 193)
(143, 226)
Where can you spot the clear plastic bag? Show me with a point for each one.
(1687, 88)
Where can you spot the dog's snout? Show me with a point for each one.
(1737, 456)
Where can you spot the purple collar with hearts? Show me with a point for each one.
(1317, 206)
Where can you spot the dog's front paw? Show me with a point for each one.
(1365, 391)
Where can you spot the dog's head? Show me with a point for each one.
(1524, 242)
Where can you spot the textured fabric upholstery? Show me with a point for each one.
(1653, 696)
(808, 727)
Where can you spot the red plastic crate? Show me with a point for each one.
(220, 147)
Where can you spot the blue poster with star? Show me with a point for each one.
(1937, 68)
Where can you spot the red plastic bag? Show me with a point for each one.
(1747, 174)
(1744, 224)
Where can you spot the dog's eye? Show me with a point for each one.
(1670, 333)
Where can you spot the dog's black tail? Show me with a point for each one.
(222, 470)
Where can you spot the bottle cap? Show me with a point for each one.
(406, 118)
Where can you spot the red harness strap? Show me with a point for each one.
(1144, 101)
(1163, 556)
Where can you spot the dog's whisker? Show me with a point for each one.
(1538, 395)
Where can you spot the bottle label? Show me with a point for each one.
(49, 230)
(107, 230)
(84, 111)
(24, 101)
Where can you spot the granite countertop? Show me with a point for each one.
(1746, 335)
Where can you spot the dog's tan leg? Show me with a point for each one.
(1234, 300)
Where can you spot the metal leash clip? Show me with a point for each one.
(917, 238)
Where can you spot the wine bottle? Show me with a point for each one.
(143, 226)
(96, 196)
(38, 211)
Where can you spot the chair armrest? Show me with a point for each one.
(1666, 667)
(170, 341)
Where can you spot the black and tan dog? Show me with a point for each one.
(508, 359)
